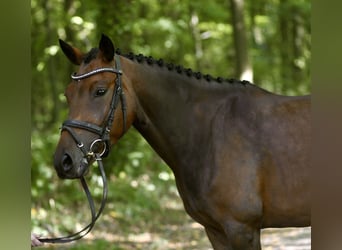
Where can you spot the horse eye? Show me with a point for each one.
(100, 92)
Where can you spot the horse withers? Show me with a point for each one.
(240, 154)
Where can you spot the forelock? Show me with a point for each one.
(90, 55)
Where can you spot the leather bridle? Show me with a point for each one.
(102, 132)
(91, 154)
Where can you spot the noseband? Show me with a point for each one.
(91, 154)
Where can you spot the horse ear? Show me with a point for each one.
(73, 54)
(107, 48)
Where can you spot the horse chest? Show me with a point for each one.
(195, 201)
(198, 209)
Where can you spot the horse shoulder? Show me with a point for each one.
(234, 186)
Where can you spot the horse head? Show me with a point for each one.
(99, 112)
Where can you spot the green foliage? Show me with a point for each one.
(196, 34)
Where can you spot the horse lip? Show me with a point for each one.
(84, 171)
(84, 167)
(66, 176)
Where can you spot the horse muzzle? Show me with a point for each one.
(70, 167)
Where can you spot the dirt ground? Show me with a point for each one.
(271, 239)
(168, 229)
(286, 238)
(188, 236)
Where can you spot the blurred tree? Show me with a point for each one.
(244, 69)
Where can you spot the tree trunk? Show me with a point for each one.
(197, 39)
(297, 43)
(244, 69)
(285, 46)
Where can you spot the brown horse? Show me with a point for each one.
(240, 154)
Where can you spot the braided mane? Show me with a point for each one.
(140, 58)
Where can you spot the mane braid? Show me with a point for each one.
(140, 58)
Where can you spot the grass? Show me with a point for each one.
(167, 228)
(141, 213)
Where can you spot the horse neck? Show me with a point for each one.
(173, 110)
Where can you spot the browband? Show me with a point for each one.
(95, 71)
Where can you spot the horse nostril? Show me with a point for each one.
(66, 162)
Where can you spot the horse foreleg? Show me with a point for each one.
(235, 236)
(217, 239)
(242, 236)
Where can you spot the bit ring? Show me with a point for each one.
(94, 143)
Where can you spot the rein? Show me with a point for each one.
(91, 154)
(94, 216)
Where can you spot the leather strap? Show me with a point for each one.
(94, 216)
(104, 134)
(83, 125)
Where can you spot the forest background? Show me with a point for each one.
(265, 41)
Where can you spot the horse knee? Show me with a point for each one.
(234, 236)
(242, 236)
(217, 239)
